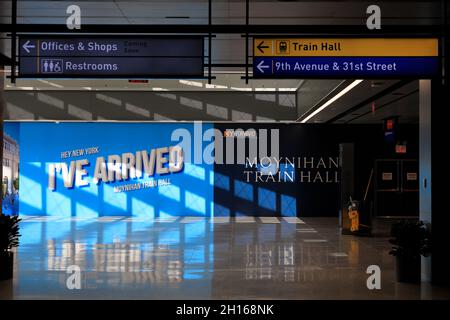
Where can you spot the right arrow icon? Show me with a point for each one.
(261, 66)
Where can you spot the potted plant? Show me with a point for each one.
(411, 239)
(9, 238)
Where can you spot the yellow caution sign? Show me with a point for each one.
(334, 47)
(353, 214)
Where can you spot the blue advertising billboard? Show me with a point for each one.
(92, 169)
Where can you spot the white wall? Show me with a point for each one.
(147, 106)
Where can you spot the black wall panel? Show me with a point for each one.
(239, 194)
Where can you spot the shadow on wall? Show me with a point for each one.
(144, 106)
(181, 199)
(102, 200)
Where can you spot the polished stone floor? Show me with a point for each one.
(198, 258)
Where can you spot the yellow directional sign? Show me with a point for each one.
(339, 47)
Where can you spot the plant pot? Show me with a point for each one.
(6, 265)
(408, 269)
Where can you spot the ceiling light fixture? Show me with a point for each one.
(336, 97)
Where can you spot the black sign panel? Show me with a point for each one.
(112, 57)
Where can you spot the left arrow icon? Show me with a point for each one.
(261, 66)
(261, 47)
(27, 46)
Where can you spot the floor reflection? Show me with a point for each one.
(126, 258)
(151, 264)
(260, 261)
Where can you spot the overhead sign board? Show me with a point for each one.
(322, 58)
(90, 57)
(378, 47)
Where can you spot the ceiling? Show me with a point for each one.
(223, 82)
(370, 102)
(223, 12)
(391, 97)
(226, 48)
(402, 103)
